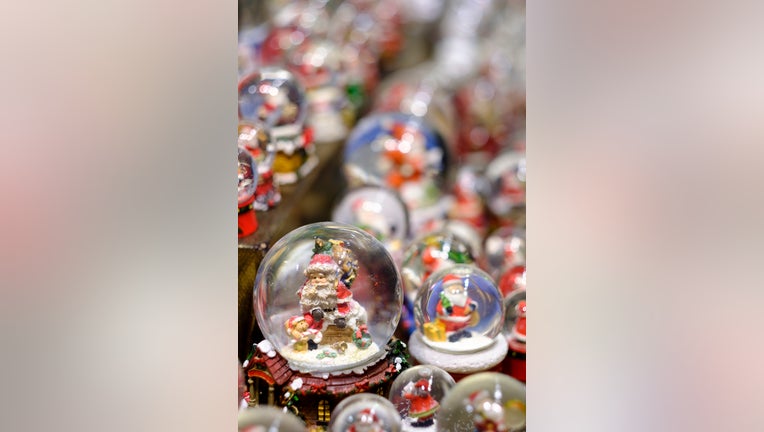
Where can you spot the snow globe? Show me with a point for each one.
(327, 299)
(459, 316)
(380, 212)
(254, 136)
(275, 98)
(504, 248)
(318, 64)
(267, 419)
(402, 152)
(429, 253)
(468, 205)
(417, 393)
(515, 309)
(247, 184)
(506, 177)
(365, 413)
(487, 401)
(291, 22)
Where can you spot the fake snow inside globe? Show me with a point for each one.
(459, 314)
(378, 211)
(401, 152)
(487, 401)
(254, 136)
(328, 298)
(515, 309)
(365, 412)
(506, 177)
(273, 97)
(268, 419)
(429, 253)
(247, 174)
(417, 393)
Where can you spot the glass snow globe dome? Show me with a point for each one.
(365, 412)
(247, 175)
(429, 253)
(399, 151)
(459, 309)
(267, 419)
(328, 298)
(484, 401)
(506, 175)
(379, 211)
(417, 393)
(274, 97)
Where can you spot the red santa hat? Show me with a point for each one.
(322, 263)
(423, 384)
(451, 279)
(297, 318)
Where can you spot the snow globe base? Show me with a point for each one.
(461, 362)
(332, 358)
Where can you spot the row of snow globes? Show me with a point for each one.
(422, 399)
(405, 144)
(328, 298)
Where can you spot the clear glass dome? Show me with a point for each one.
(459, 309)
(399, 151)
(328, 297)
(515, 309)
(486, 401)
(274, 97)
(254, 136)
(267, 419)
(378, 211)
(365, 412)
(506, 175)
(429, 253)
(417, 393)
(247, 177)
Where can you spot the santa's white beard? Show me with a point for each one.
(457, 299)
(322, 296)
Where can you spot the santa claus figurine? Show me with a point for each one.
(323, 293)
(487, 413)
(455, 309)
(367, 421)
(423, 406)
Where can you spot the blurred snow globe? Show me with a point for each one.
(429, 253)
(267, 419)
(399, 151)
(254, 136)
(504, 248)
(328, 298)
(247, 175)
(459, 309)
(515, 309)
(486, 401)
(506, 177)
(273, 96)
(380, 212)
(365, 412)
(417, 392)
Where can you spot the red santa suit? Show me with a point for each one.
(455, 311)
(422, 405)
